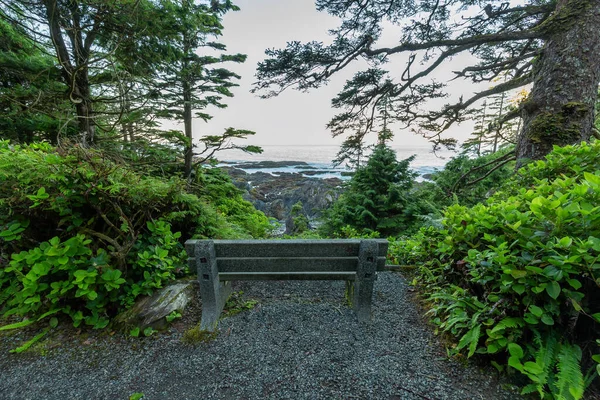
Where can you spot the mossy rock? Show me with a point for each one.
(153, 311)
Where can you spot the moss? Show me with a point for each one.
(196, 335)
(558, 128)
(236, 304)
(349, 293)
(575, 108)
(565, 17)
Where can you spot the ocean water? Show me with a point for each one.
(320, 158)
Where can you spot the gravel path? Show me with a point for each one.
(299, 342)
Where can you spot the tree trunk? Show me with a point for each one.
(187, 125)
(75, 75)
(560, 109)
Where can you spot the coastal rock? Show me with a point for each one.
(276, 194)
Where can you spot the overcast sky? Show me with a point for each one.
(293, 117)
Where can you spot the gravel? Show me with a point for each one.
(299, 342)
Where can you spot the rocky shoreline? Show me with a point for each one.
(276, 193)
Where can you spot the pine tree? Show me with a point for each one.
(554, 45)
(182, 65)
(376, 197)
(32, 101)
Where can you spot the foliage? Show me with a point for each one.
(179, 59)
(214, 185)
(470, 180)
(85, 236)
(31, 93)
(376, 197)
(236, 304)
(518, 42)
(299, 220)
(518, 278)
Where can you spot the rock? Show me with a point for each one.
(152, 311)
(275, 195)
(270, 164)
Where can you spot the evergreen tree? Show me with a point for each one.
(181, 69)
(376, 197)
(491, 131)
(83, 35)
(554, 45)
(32, 101)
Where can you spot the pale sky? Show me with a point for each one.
(293, 117)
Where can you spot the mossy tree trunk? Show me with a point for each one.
(560, 109)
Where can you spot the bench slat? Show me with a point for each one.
(280, 276)
(295, 264)
(292, 248)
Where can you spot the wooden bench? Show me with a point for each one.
(219, 262)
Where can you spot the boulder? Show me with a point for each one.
(152, 311)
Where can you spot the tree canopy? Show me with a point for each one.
(554, 45)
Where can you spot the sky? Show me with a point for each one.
(292, 118)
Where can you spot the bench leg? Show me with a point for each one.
(362, 291)
(213, 293)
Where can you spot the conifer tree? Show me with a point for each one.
(183, 71)
(32, 101)
(376, 197)
(552, 44)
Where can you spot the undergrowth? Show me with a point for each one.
(517, 279)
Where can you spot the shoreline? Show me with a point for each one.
(307, 169)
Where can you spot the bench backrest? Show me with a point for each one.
(287, 259)
(219, 262)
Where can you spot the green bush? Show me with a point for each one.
(85, 235)
(518, 278)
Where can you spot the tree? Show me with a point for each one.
(491, 130)
(78, 33)
(180, 68)
(32, 101)
(376, 198)
(552, 44)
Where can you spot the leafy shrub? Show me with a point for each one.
(517, 278)
(85, 235)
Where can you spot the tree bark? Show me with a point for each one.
(560, 109)
(187, 125)
(74, 66)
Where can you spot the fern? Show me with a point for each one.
(545, 358)
(569, 379)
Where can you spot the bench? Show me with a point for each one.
(219, 262)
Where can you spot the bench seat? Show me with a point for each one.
(219, 262)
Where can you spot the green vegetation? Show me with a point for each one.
(83, 235)
(375, 199)
(236, 304)
(516, 278)
(96, 200)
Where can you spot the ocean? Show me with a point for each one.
(319, 158)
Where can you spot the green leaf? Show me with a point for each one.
(575, 284)
(29, 343)
(553, 289)
(535, 310)
(565, 242)
(516, 273)
(515, 350)
(547, 319)
(520, 289)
